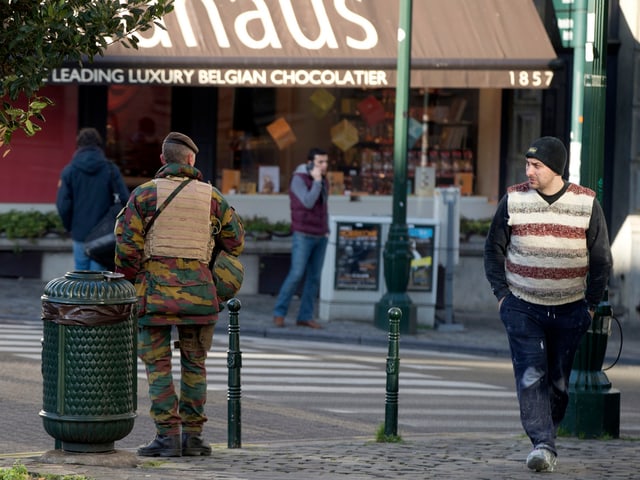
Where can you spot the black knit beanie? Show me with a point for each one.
(550, 151)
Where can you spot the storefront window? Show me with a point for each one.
(440, 138)
(138, 118)
(269, 132)
(263, 134)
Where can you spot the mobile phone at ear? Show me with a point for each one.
(310, 165)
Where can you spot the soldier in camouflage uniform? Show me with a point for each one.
(169, 265)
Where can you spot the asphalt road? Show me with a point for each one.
(295, 389)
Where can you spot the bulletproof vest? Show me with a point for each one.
(183, 229)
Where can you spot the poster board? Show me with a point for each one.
(425, 181)
(336, 182)
(464, 181)
(269, 179)
(354, 296)
(357, 258)
(421, 247)
(230, 181)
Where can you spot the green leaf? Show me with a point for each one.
(28, 127)
(34, 41)
(38, 104)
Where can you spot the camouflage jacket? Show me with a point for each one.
(172, 290)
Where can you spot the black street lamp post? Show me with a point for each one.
(396, 256)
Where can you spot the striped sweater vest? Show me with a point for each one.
(547, 258)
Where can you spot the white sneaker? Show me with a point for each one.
(541, 460)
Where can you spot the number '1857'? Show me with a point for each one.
(533, 79)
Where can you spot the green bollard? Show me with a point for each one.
(234, 364)
(393, 371)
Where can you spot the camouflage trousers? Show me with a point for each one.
(173, 413)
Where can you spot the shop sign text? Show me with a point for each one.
(221, 77)
(255, 28)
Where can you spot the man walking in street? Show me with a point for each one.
(164, 246)
(547, 257)
(309, 195)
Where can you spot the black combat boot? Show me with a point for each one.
(193, 445)
(162, 446)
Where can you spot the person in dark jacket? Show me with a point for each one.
(547, 257)
(309, 195)
(87, 188)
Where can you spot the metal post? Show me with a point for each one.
(578, 43)
(595, 89)
(450, 196)
(393, 372)
(397, 257)
(594, 407)
(234, 364)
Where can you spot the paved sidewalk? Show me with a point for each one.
(449, 456)
(442, 456)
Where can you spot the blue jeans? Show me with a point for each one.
(81, 261)
(307, 256)
(543, 342)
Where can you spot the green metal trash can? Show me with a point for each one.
(89, 363)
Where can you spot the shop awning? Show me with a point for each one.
(343, 43)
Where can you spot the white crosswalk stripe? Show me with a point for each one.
(352, 382)
(295, 372)
(437, 391)
(24, 340)
(352, 379)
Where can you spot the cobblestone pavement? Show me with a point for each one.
(442, 456)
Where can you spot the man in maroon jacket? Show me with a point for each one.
(309, 195)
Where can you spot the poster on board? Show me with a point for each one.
(357, 256)
(421, 247)
(269, 179)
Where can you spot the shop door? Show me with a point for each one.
(523, 126)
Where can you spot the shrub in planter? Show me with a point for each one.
(469, 227)
(30, 224)
(18, 226)
(261, 228)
